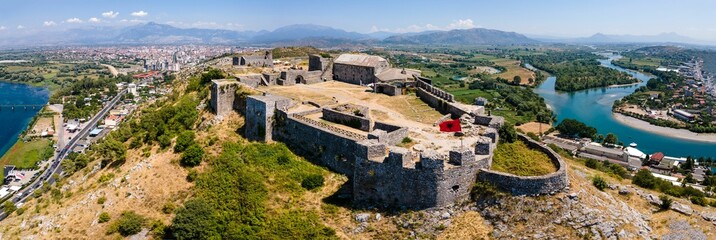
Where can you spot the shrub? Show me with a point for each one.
(129, 223)
(312, 181)
(283, 159)
(195, 221)
(643, 178)
(101, 200)
(164, 141)
(192, 156)
(169, 207)
(507, 133)
(484, 189)
(191, 176)
(591, 163)
(533, 136)
(20, 211)
(698, 200)
(104, 217)
(184, 140)
(599, 183)
(665, 202)
(406, 140)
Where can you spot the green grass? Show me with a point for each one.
(649, 61)
(517, 158)
(25, 155)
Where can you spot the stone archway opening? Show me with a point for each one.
(299, 79)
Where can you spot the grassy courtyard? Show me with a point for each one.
(519, 159)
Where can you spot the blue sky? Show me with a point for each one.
(693, 18)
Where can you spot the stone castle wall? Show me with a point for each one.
(259, 116)
(398, 182)
(353, 74)
(223, 96)
(530, 185)
(348, 119)
(440, 104)
(318, 143)
(388, 134)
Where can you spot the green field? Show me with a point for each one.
(649, 61)
(25, 155)
(517, 158)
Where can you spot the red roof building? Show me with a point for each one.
(656, 157)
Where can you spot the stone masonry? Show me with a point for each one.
(383, 175)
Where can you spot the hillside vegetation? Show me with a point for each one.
(578, 70)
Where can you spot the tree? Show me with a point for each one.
(610, 139)
(195, 221)
(192, 156)
(600, 138)
(574, 128)
(211, 75)
(689, 179)
(9, 207)
(516, 80)
(112, 150)
(507, 133)
(185, 139)
(643, 178)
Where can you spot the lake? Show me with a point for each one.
(594, 107)
(13, 122)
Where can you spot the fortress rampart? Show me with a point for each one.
(530, 185)
(382, 174)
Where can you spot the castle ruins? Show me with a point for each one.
(342, 133)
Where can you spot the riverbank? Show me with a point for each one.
(664, 131)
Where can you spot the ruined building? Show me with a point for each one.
(262, 60)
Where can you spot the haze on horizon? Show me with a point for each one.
(555, 18)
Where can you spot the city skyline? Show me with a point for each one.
(547, 18)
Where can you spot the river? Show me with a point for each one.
(594, 107)
(13, 122)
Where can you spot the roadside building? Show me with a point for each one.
(611, 153)
(656, 158)
(95, 132)
(683, 115)
(665, 166)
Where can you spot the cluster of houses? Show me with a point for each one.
(630, 157)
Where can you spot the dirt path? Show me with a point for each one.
(111, 69)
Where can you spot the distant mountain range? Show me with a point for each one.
(474, 36)
(307, 34)
(600, 38)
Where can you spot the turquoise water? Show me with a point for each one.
(13, 122)
(594, 107)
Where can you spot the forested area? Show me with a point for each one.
(577, 70)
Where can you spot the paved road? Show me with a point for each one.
(55, 167)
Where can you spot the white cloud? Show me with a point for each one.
(49, 23)
(73, 20)
(110, 14)
(140, 14)
(461, 24)
(94, 20)
(2, 28)
(20, 27)
(376, 29)
(457, 24)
